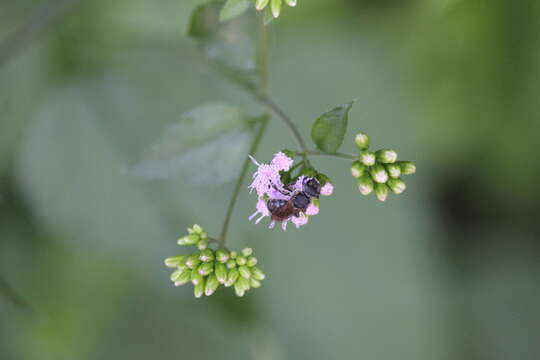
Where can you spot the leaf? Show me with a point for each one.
(230, 44)
(329, 129)
(207, 146)
(233, 8)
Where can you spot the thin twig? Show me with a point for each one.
(36, 23)
(11, 295)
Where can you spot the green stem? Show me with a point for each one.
(240, 181)
(9, 293)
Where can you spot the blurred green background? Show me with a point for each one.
(449, 270)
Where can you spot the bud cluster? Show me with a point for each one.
(275, 5)
(207, 269)
(379, 171)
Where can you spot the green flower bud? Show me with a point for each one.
(193, 260)
(175, 261)
(276, 7)
(197, 229)
(244, 271)
(176, 274)
(381, 190)
(362, 141)
(407, 167)
(231, 264)
(357, 169)
(386, 156)
(367, 158)
(251, 261)
(291, 3)
(257, 273)
(397, 186)
(196, 276)
(254, 283)
(393, 170)
(365, 185)
(184, 278)
(239, 290)
(261, 4)
(247, 252)
(243, 282)
(241, 260)
(233, 254)
(202, 244)
(222, 255)
(191, 239)
(206, 268)
(211, 286)
(232, 276)
(198, 290)
(378, 173)
(206, 255)
(221, 272)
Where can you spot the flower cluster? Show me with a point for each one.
(275, 181)
(275, 5)
(207, 269)
(379, 171)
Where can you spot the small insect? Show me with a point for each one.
(298, 201)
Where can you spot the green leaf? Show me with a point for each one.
(329, 129)
(233, 8)
(231, 44)
(207, 146)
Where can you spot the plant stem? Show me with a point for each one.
(240, 181)
(9, 293)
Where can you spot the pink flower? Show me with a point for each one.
(327, 189)
(261, 209)
(281, 162)
(312, 209)
(300, 220)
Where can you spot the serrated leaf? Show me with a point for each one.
(233, 8)
(329, 129)
(231, 44)
(207, 146)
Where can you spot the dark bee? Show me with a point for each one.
(297, 203)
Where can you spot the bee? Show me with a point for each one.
(297, 202)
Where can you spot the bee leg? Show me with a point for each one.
(284, 225)
(271, 226)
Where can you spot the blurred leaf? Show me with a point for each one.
(329, 129)
(230, 45)
(233, 8)
(206, 146)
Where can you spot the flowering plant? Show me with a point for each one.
(288, 187)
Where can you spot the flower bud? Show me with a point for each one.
(362, 141)
(197, 229)
(231, 264)
(251, 261)
(190, 239)
(242, 282)
(222, 255)
(221, 272)
(206, 268)
(247, 252)
(378, 173)
(241, 260)
(176, 274)
(239, 290)
(393, 170)
(206, 255)
(397, 186)
(327, 189)
(381, 190)
(233, 254)
(407, 167)
(244, 271)
(196, 276)
(291, 3)
(357, 169)
(232, 276)
(198, 290)
(257, 273)
(276, 7)
(175, 261)
(202, 244)
(211, 286)
(367, 158)
(261, 4)
(254, 283)
(365, 185)
(386, 156)
(193, 260)
(184, 278)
